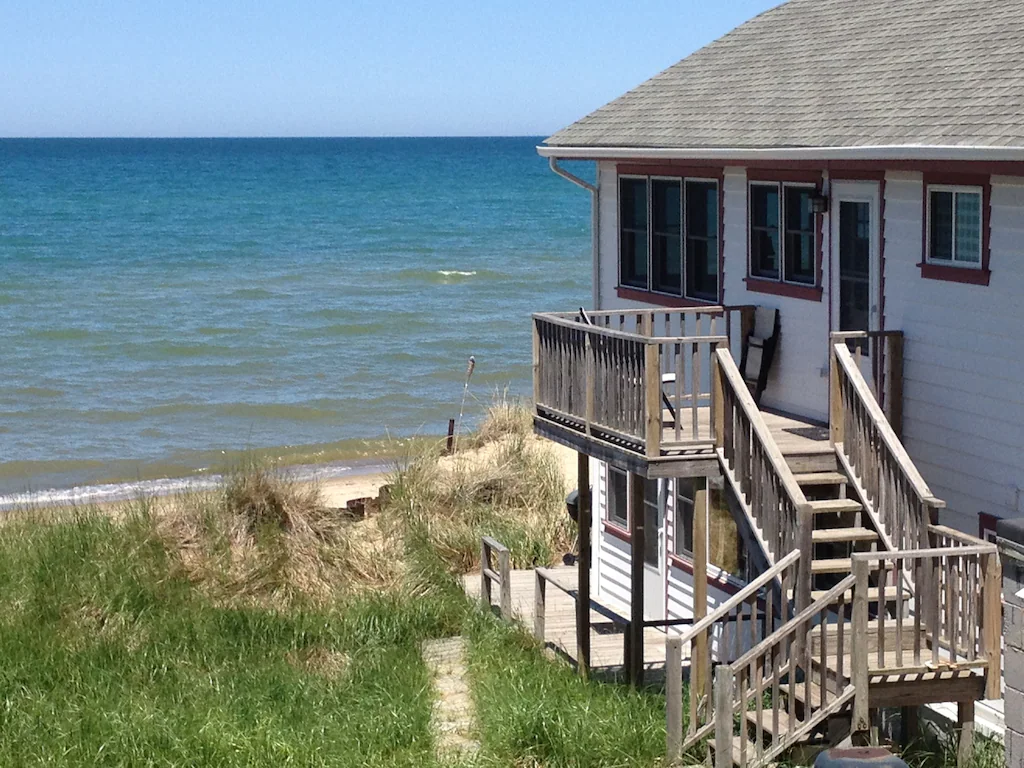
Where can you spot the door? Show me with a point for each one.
(654, 549)
(855, 261)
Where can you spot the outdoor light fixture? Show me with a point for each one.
(819, 203)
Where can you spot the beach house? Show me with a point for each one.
(808, 264)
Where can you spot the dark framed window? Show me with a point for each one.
(683, 544)
(618, 497)
(702, 240)
(955, 226)
(668, 236)
(783, 233)
(633, 240)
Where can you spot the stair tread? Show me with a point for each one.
(837, 565)
(820, 478)
(839, 535)
(800, 693)
(766, 723)
(873, 595)
(835, 505)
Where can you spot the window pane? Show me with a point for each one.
(702, 240)
(854, 266)
(800, 235)
(668, 244)
(764, 231)
(684, 517)
(701, 209)
(633, 234)
(617, 497)
(941, 232)
(652, 523)
(968, 227)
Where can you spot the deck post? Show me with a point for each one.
(673, 698)
(992, 623)
(652, 398)
(835, 398)
(965, 725)
(718, 397)
(859, 660)
(699, 663)
(536, 364)
(583, 565)
(485, 583)
(540, 605)
(724, 683)
(895, 393)
(505, 588)
(636, 600)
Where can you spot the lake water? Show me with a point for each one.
(167, 303)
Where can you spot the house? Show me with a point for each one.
(852, 170)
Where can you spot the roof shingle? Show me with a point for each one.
(834, 73)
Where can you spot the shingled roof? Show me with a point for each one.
(834, 73)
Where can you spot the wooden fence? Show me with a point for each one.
(495, 573)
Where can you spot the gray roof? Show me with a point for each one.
(834, 73)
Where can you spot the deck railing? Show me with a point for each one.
(740, 623)
(758, 469)
(883, 351)
(898, 497)
(784, 686)
(614, 376)
(496, 573)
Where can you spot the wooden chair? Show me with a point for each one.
(759, 350)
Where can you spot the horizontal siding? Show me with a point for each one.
(964, 357)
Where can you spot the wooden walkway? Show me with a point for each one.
(606, 638)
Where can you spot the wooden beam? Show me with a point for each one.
(673, 699)
(965, 725)
(992, 623)
(583, 565)
(652, 399)
(835, 398)
(636, 601)
(895, 393)
(859, 660)
(700, 671)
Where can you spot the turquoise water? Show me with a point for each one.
(166, 302)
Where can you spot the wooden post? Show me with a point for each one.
(540, 606)
(718, 397)
(590, 374)
(992, 623)
(859, 660)
(895, 394)
(724, 679)
(583, 565)
(636, 602)
(700, 667)
(485, 583)
(673, 698)
(806, 544)
(505, 588)
(965, 725)
(652, 397)
(835, 398)
(536, 365)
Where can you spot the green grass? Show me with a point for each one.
(112, 657)
(536, 711)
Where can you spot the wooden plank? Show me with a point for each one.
(673, 698)
(895, 394)
(724, 683)
(652, 398)
(992, 624)
(836, 414)
(859, 661)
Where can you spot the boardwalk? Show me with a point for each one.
(606, 638)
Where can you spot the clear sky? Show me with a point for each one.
(335, 67)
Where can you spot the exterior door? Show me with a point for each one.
(855, 265)
(654, 549)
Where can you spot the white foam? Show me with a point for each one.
(450, 272)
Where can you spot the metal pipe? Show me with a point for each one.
(595, 224)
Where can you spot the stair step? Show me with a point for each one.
(766, 722)
(835, 505)
(800, 693)
(821, 478)
(838, 565)
(873, 595)
(840, 535)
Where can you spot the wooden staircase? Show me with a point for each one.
(849, 531)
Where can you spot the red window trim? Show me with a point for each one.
(719, 582)
(778, 287)
(661, 299)
(949, 273)
(716, 172)
(614, 530)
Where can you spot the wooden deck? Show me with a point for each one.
(606, 651)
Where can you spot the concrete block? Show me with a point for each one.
(1013, 625)
(1013, 707)
(1013, 668)
(1014, 742)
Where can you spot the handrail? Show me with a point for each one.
(958, 537)
(501, 576)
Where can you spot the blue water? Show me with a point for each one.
(163, 301)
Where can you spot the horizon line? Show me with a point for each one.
(208, 138)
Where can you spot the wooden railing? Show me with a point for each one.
(495, 573)
(884, 351)
(951, 620)
(896, 495)
(613, 375)
(760, 693)
(758, 469)
(740, 623)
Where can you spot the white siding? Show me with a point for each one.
(611, 554)
(964, 357)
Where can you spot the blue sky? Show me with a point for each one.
(334, 67)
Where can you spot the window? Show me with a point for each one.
(783, 233)
(684, 517)
(618, 497)
(668, 236)
(954, 226)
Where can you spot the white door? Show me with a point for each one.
(856, 295)
(654, 549)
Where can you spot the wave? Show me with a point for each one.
(448, 276)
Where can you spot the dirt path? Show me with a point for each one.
(453, 718)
